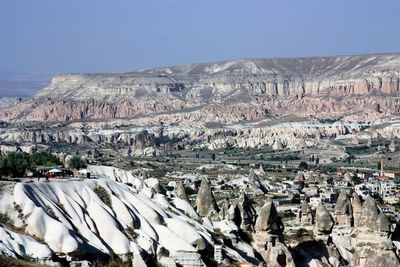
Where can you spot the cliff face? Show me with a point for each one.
(368, 86)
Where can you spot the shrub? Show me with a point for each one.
(50, 211)
(103, 195)
(7, 261)
(116, 261)
(132, 235)
(2, 186)
(300, 232)
(303, 165)
(6, 221)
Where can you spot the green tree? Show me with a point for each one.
(213, 156)
(355, 179)
(14, 164)
(303, 165)
(378, 165)
(44, 159)
(76, 162)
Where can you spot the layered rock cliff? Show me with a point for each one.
(360, 87)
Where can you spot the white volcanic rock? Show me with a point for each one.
(116, 174)
(71, 217)
(145, 142)
(357, 209)
(247, 213)
(18, 245)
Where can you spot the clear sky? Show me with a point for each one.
(55, 36)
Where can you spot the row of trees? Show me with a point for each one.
(15, 164)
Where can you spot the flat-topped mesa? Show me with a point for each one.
(247, 213)
(322, 87)
(205, 201)
(357, 208)
(343, 209)
(279, 77)
(306, 216)
(180, 191)
(323, 221)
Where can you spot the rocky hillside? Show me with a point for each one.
(78, 221)
(355, 87)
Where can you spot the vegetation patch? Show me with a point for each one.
(50, 211)
(61, 206)
(116, 261)
(300, 232)
(15, 164)
(6, 261)
(2, 186)
(8, 223)
(102, 193)
(130, 232)
(77, 163)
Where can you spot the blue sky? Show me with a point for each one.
(55, 36)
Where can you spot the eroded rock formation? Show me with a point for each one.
(205, 201)
(323, 221)
(268, 237)
(343, 209)
(324, 87)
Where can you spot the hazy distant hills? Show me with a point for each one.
(14, 84)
